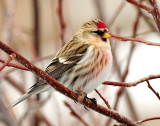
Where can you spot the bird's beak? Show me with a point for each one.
(106, 35)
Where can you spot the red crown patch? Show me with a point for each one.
(100, 24)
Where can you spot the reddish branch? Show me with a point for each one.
(123, 84)
(62, 24)
(131, 84)
(155, 12)
(10, 57)
(36, 43)
(135, 40)
(148, 119)
(14, 65)
(36, 27)
(75, 114)
(59, 87)
(105, 101)
(147, 8)
(156, 93)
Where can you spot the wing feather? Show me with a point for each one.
(58, 66)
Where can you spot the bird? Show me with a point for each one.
(84, 62)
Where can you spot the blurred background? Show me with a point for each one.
(37, 29)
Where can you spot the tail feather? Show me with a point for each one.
(33, 91)
(22, 98)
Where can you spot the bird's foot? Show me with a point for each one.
(93, 100)
(83, 96)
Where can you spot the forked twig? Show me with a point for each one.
(131, 84)
(10, 57)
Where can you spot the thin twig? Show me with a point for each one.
(105, 101)
(155, 12)
(147, 8)
(36, 44)
(61, 20)
(14, 65)
(135, 40)
(36, 28)
(132, 84)
(148, 119)
(150, 87)
(75, 114)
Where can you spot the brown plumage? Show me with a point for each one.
(83, 62)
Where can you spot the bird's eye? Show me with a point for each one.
(98, 32)
(102, 34)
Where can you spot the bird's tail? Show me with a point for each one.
(22, 98)
(32, 91)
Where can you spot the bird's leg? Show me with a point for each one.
(83, 96)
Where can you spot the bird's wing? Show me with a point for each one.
(62, 64)
(59, 65)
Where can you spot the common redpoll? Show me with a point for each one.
(84, 62)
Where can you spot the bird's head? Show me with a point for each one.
(95, 31)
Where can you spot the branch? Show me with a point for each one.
(131, 84)
(75, 114)
(135, 40)
(148, 119)
(10, 57)
(14, 65)
(155, 12)
(61, 88)
(61, 20)
(147, 8)
(36, 27)
(156, 93)
(105, 101)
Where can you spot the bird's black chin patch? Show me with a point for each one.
(104, 39)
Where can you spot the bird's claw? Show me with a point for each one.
(93, 100)
(83, 96)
